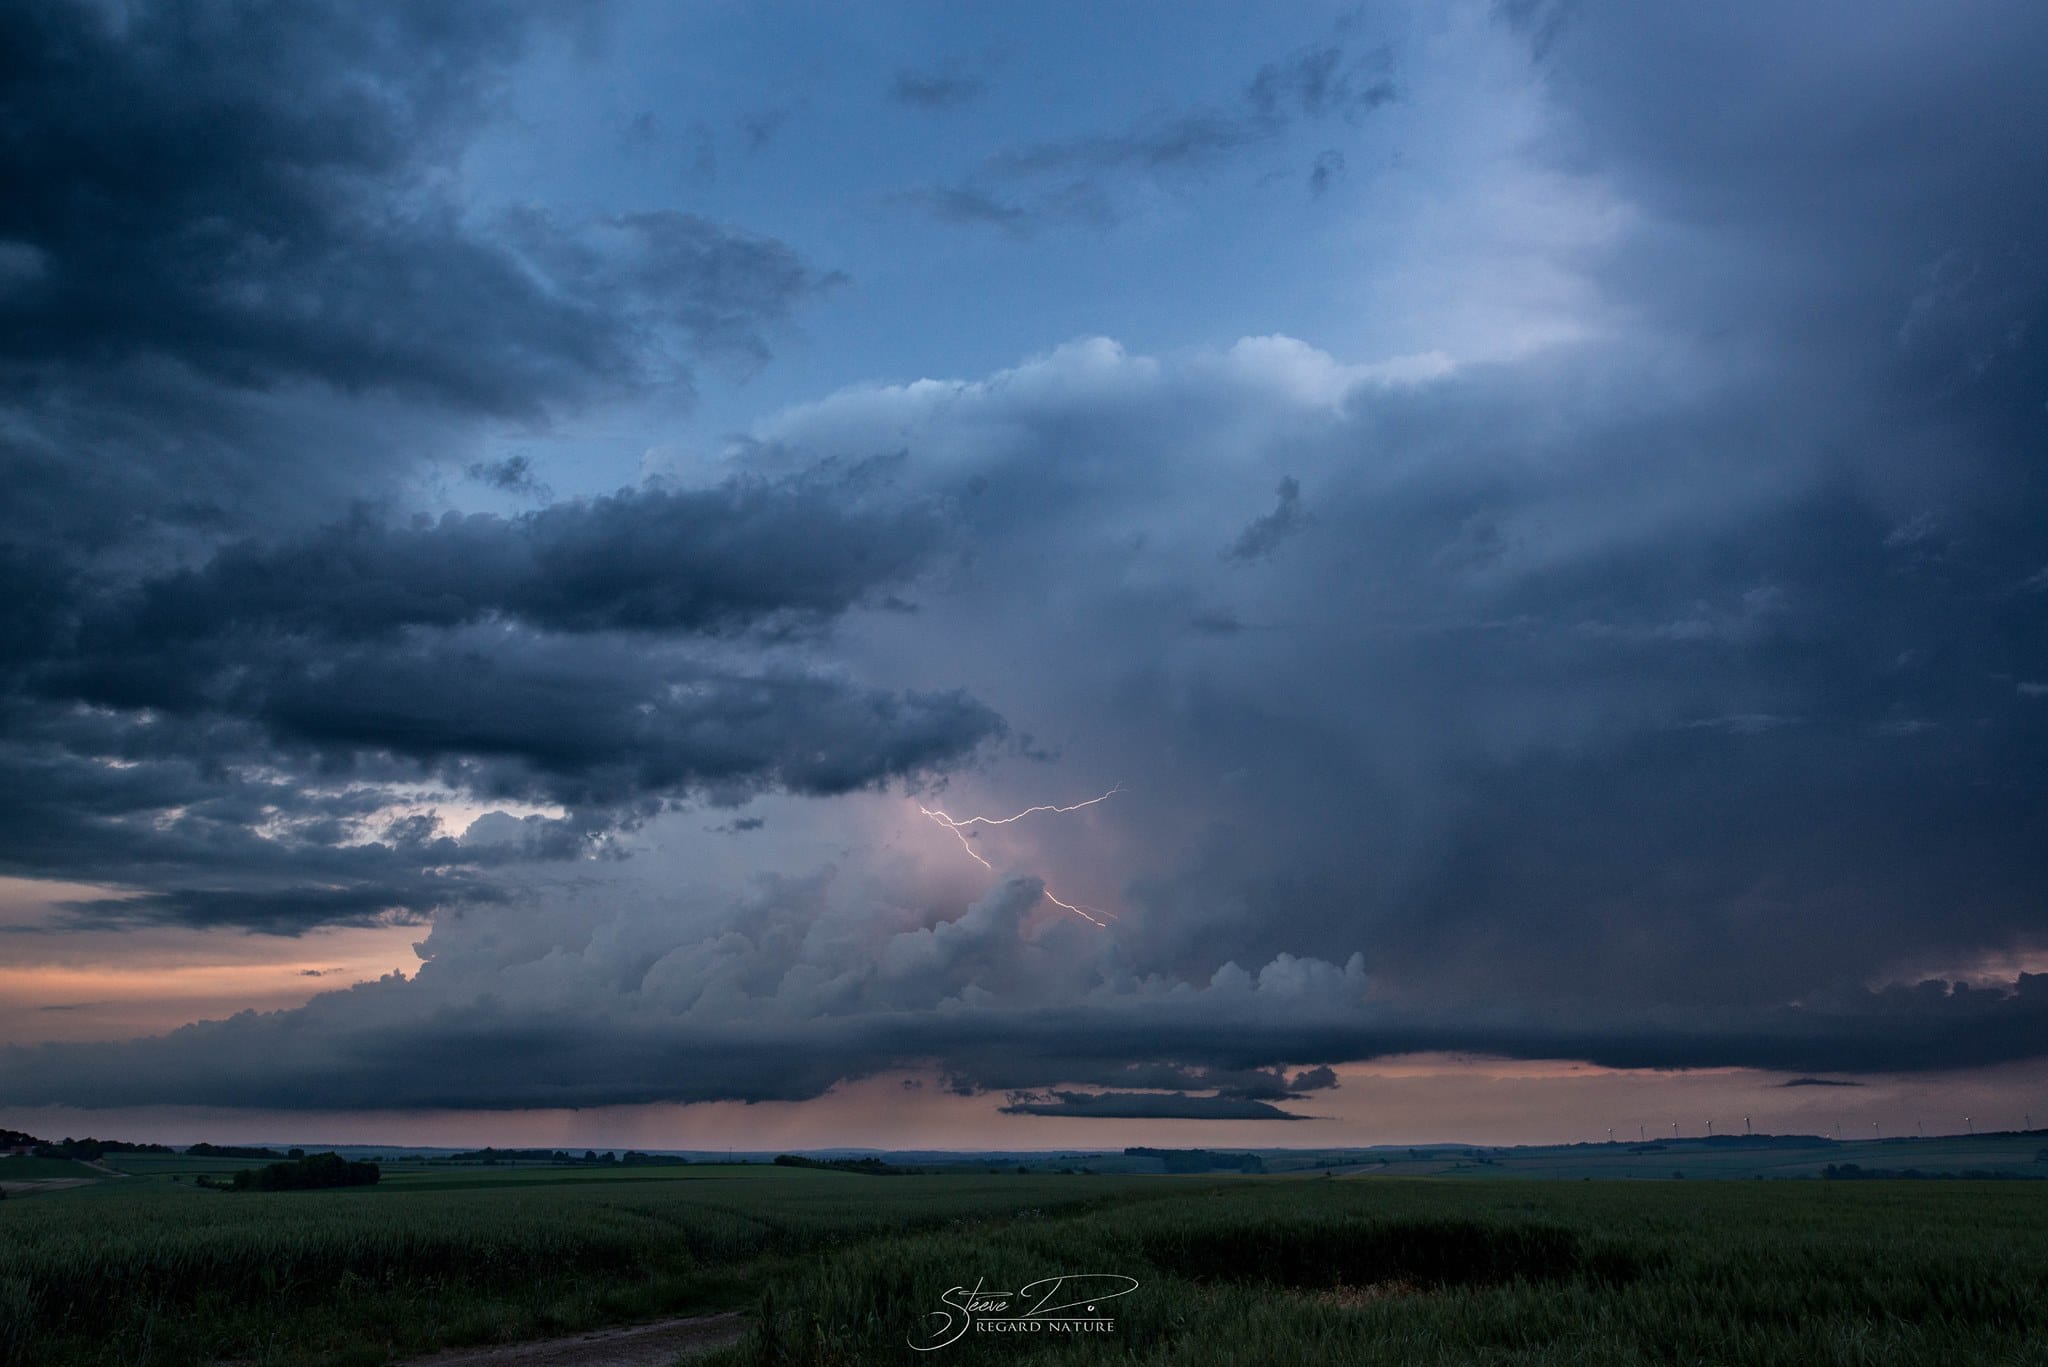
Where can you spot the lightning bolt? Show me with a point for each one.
(959, 827)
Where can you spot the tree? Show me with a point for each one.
(318, 1171)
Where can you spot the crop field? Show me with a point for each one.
(26, 1169)
(846, 1268)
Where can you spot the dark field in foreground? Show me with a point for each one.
(843, 1268)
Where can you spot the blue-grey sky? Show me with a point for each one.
(516, 525)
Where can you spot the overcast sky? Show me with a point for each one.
(527, 543)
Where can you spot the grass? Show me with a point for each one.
(471, 1179)
(1306, 1270)
(147, 1270)
(840, 1268)
(26, 1169)
(163, 1164)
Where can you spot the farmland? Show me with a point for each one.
(1352, 1262)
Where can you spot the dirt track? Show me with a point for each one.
(642, 1345)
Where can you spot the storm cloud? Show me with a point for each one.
(250, 190)
(243, 309)
(1643, 674)
(804, 987)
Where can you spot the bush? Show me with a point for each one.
(319, 1171)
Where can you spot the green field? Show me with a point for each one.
(25, 1169)
(842, 1268)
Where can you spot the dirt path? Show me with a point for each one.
(643, 1345)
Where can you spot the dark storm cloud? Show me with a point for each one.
(239, 293)
(743, 554)
(403, 1045)
(610, 727)
(609, 722)
(598, 654)
(1634, 688)
(1142, 1106)
(442, 643)
(222, 744)
(996, 1072)
(245, 189)
(240, 290)
(1819, 1082)
(1660, 697)
(208, 826)
(164, 820)
(284, 910)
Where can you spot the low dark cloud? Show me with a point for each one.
(202, 823)
(439, 1041)
(601, 655)
(243, 287)
(245, 307)
(998, 1073)
(608, 727)
(1143, 1106)
(249, 191)
(744, 555)
(1819, 1082)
